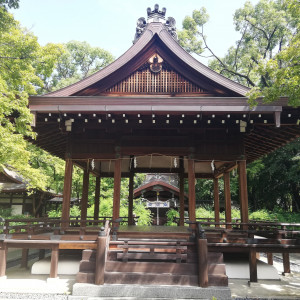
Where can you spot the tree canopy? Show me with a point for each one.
(76, 61)
(19, 53)
(27, 68)
(265, 58)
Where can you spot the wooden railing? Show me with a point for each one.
(214, 237)
(41, 225)
(97, 241)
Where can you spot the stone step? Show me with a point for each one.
(149, 279)
(133, 292)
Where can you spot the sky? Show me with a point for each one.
(111, 24)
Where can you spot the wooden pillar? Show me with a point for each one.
(130, 200)
(181, 199)
(54, 262)
(243, 192)
(97, 198)
(67, 193)
(192, 190)
(84, 198)
(202, 261)
(3, 253)
(253, 265)
(216, 201)
(286, 262)
(227, 199)
(117, 189)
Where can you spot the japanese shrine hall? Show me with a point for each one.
(157, 109)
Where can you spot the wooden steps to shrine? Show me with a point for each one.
(148, 262)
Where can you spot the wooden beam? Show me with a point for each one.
(243, 191)
(130, 200)
(85, 194)
(67, 193)
(216, 201)
(192, 191)
(117, 189)
(97, 198)
(227, 195)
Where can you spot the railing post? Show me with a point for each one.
(54, 261)
(202, 257)
(253, 265)
(100, 257)
(3, 248)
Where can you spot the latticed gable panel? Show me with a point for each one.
(145, 81)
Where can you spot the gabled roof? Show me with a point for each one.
(155, 38)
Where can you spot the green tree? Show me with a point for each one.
(274, 181)
(265, 58)
(19, 52)
(76, 61)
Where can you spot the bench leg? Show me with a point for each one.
(253, 265)
(3, 252)
(270, 258)
(24, 261)
(286, 263)
(54, 262)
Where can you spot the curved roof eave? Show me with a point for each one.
(143, 41)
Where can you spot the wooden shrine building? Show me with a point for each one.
(161, 193)
(156, 109)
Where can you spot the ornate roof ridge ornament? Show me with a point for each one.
(156, 16)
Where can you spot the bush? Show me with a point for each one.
(171, 215)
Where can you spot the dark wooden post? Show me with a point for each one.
(24, 260)
(192, 191)
(130, 200)
(216, 201)
(286, 262)
(243, 193)
(3, 252)
(85, 194)
(97, 198)
(253, 265)
(54, 261)
(202, 262)
(227, 198)
(67, 193)
(181, 199)
(270, 258)
(117, 189)
(100, 260)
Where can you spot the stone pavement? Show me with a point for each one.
(20, 284)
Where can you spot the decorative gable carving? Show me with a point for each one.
(161, 80)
